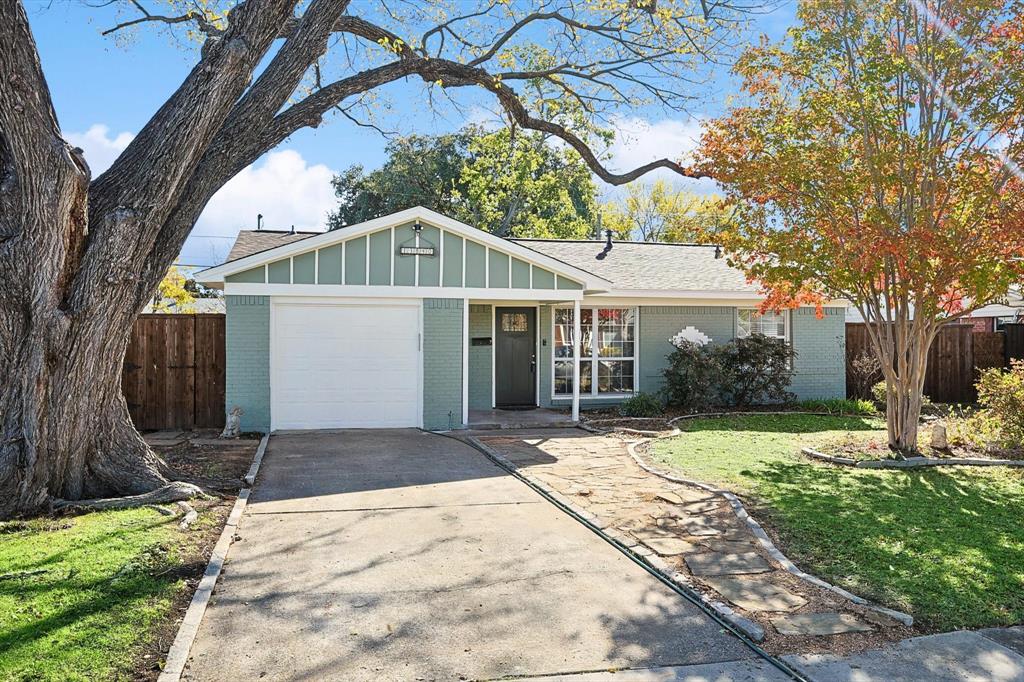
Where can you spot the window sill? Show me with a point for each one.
(588, 396)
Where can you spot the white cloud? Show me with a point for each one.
(101, 149)
(639, 141)
(283, 187)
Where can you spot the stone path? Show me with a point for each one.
(685, 530)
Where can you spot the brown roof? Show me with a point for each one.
(254, 241)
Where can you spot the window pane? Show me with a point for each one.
(769, 324)
(513, 322)
(563, 332)
(615, 333)
(615, 376)
(563, 377)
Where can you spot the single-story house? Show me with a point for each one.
(418, 320)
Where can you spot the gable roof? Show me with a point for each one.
(309, 242)
(649, 266)
(250, 242)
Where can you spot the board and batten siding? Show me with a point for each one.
(374, 260)
(480, 373)
(247, 341)
(443, 347)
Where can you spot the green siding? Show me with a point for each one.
(452, 254)
(251, 276)
(543, 279)
(304, 268)
(497, 270)
(564, 283)
(430, 266)
(330, 265)
(658, 324)
(479, 358)
(544, 366)
(405, 266)
(820, 345)
(476, 265)
(443, 346)
(520, 274)
(247, 340)
(380, 258)
(355, 261)
(280, 272)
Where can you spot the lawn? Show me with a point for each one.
(946, 545)
(97, 586)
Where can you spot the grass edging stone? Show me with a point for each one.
(911, 462)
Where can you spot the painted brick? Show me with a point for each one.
(247, 337)
(442, 363)
(820, 345)
(480, 375)
(658, 324)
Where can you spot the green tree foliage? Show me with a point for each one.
(509, 182)
(658, 212)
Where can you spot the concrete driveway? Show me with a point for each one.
(401, 555)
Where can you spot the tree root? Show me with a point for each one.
(172, 492)
(191, 515)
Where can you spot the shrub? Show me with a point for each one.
(863, 371)
(641, 405)
(755, 370)
(690, 376)
(1002, 394)
(879, 393)
(840, 406)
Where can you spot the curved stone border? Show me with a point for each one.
(177, 656)
(911, 462)
(653, 562)
(757, 530)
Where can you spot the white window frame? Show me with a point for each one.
(786, 324)
(593, 358)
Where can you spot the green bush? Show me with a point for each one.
(1001, 393)
(878, 393)
(641, 405)
(690, 376)
(840, 406)
(755, 370)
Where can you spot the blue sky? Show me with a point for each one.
(106, 89)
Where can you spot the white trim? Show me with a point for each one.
(366, 241)
(371, 291)
(316, 267)
(494, 399)
(536, 352)
(416, 262)
(391, 260)
(343, 247)
(593, 358)
(291, 270)
(577, 348)
(465, 361)
(217, 274)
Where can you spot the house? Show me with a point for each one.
(993, 317)
(415, 319)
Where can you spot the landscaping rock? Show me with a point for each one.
(722, 563)
(939, 440)
(756, 594)
(817, 624)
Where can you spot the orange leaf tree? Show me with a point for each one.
(874, 157)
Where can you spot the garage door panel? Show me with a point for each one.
(345, 366)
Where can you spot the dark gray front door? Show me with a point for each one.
(515, 359)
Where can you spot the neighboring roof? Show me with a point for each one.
(254, 241)
(200, 305)
(648, 266)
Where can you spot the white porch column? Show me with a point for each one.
(465, 361)
(576, 346)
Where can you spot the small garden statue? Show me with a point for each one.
(233, 428)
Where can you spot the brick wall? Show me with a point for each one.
(658, 324)
(820, 345)
(442, 363)
(247, 337)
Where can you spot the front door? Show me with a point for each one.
(515, 357)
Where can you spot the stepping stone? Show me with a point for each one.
(723, 563)
(817, 624)
(729, 546)
(670, 546)
(702, 507)
(698, 527)
(671, 498)
(755, 594)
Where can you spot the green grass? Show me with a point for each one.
(109, 578)
(946, 545)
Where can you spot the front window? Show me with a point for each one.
(607, 358)
(772, 324)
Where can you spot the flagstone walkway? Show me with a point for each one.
(689, 531)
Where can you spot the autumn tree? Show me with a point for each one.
(172, 294)
(660, 212)
(81, 256)
(876, 159)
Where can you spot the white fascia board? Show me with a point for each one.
(384, 291)
(216, 275)
(688, 297)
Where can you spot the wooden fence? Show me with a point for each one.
(953, 360)
(173, 374)
(1014, 342)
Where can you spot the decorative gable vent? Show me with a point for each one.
(692, 335)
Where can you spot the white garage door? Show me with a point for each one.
(344, 366)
